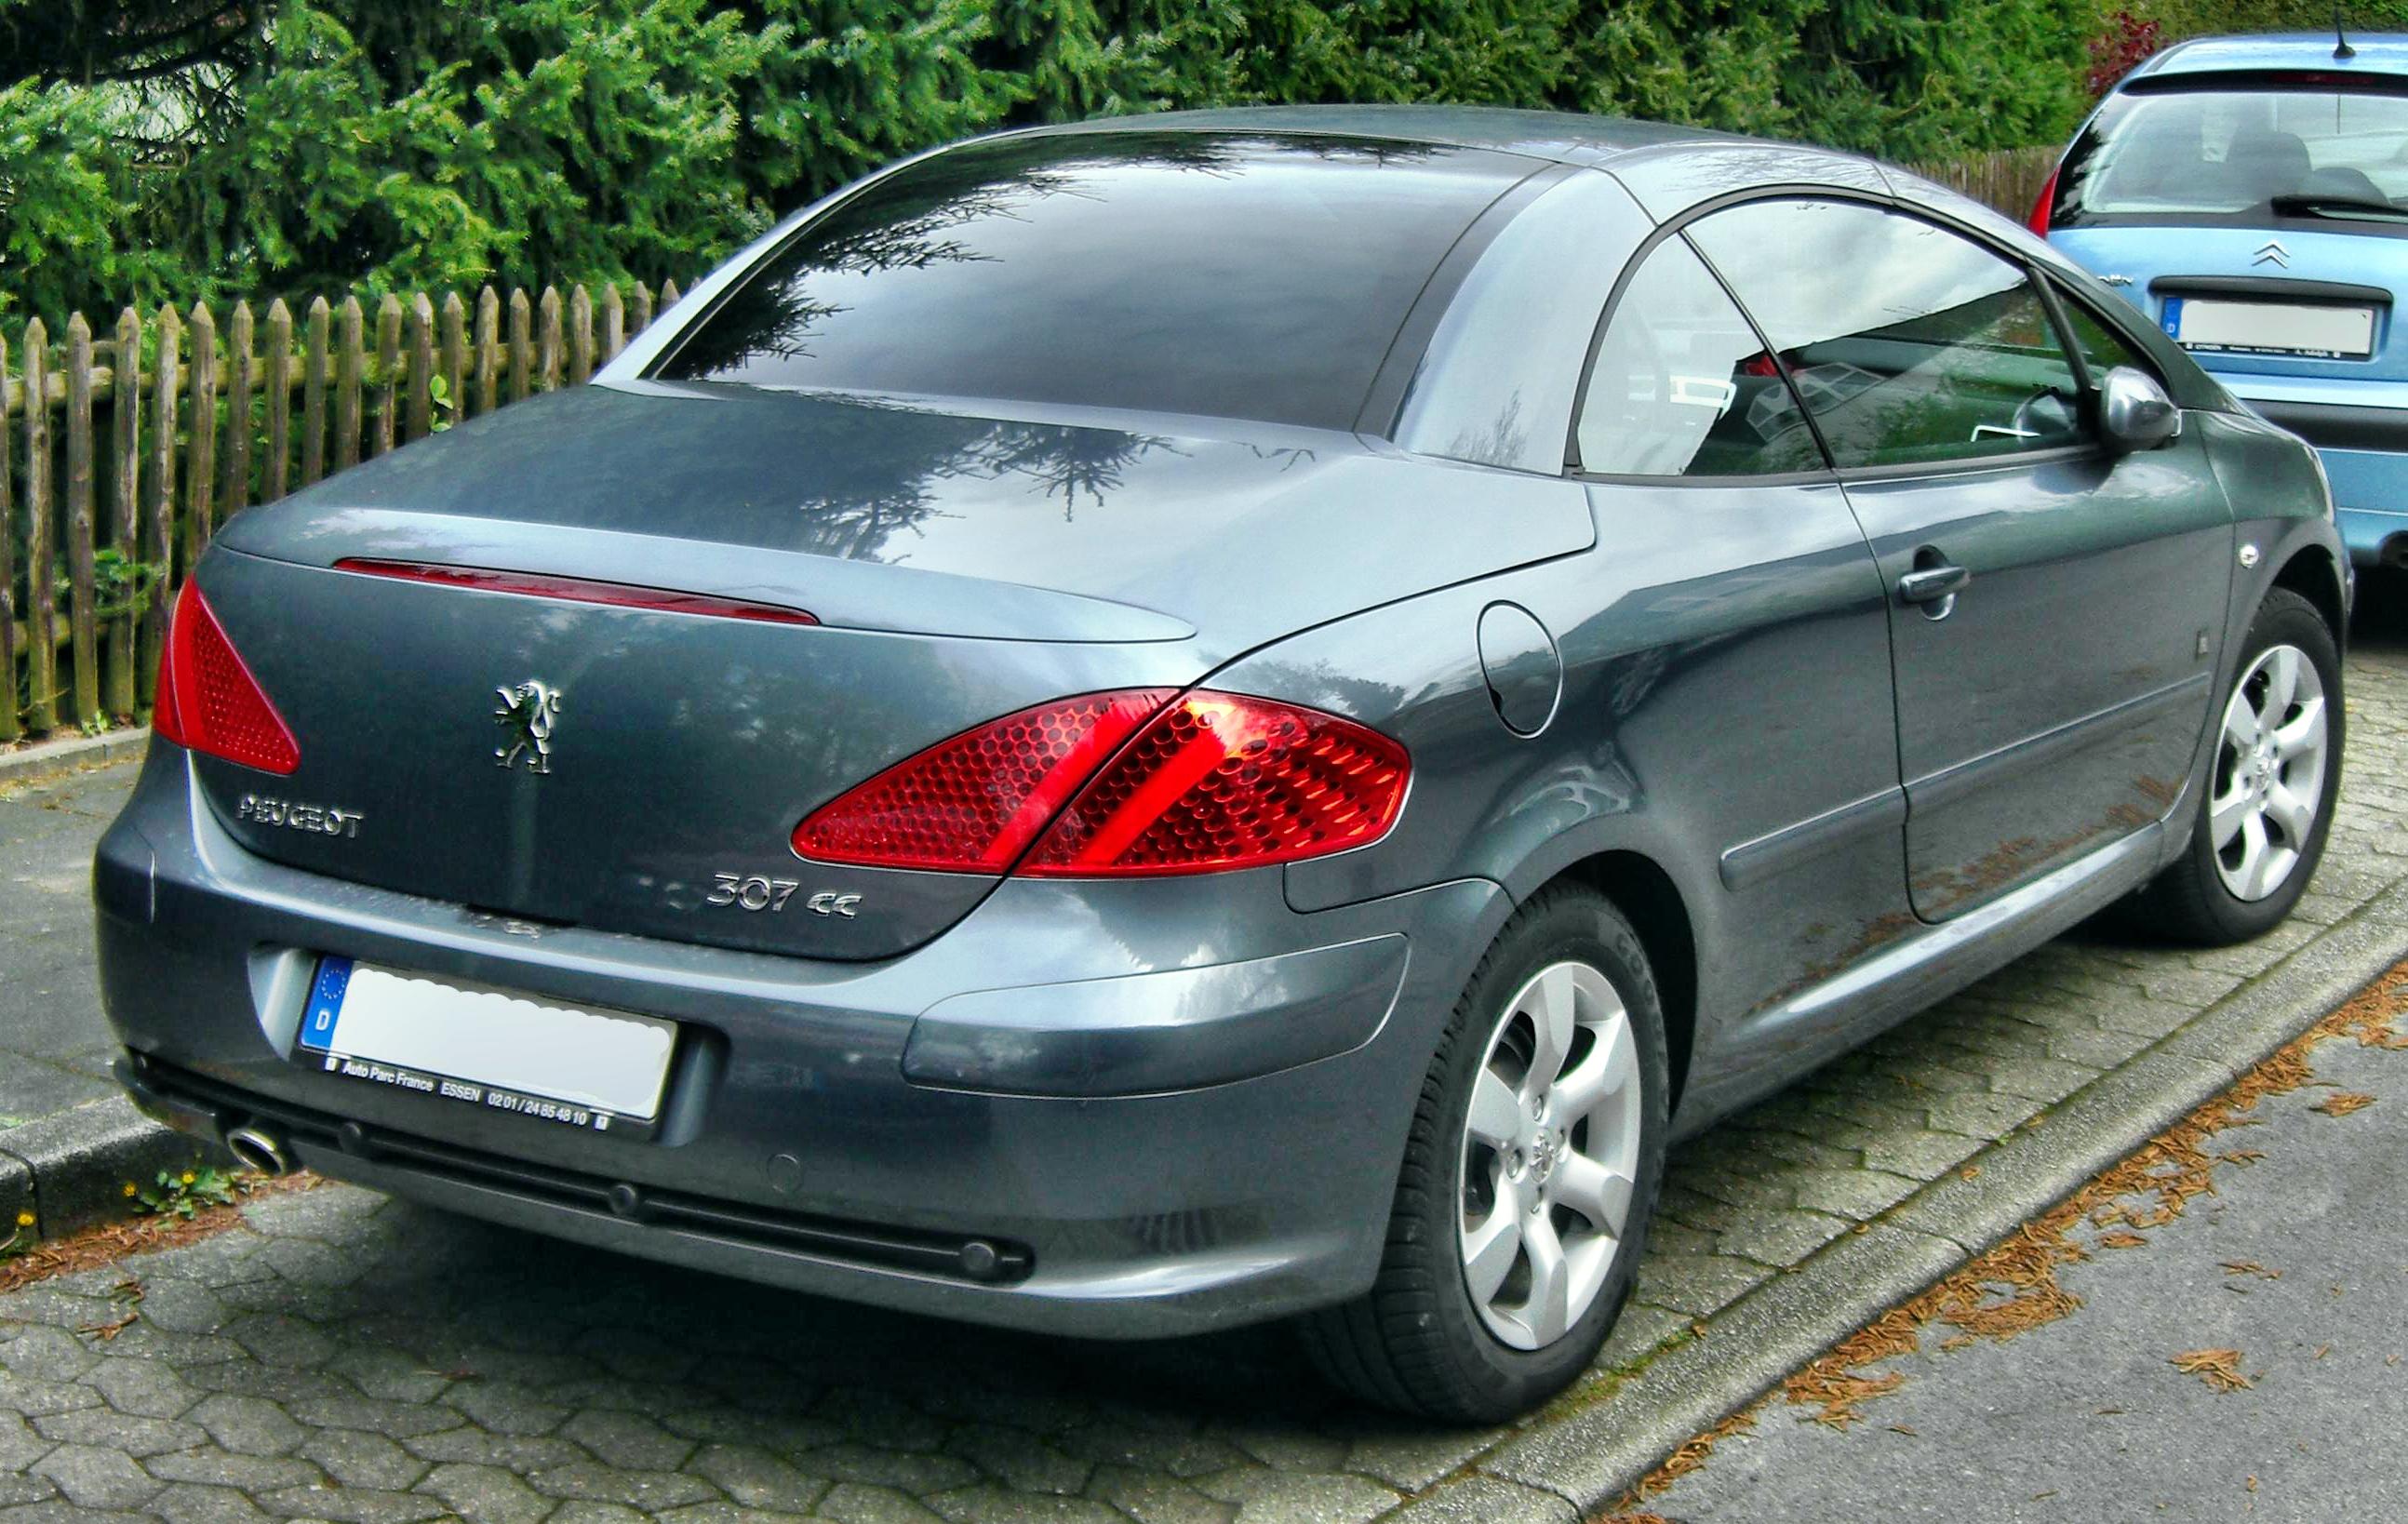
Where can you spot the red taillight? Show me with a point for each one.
(208, 701)
(2044, 206)
(1220, 781)
(579, 590)
(972, 804)
(1211, 782)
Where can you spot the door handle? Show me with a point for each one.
(1934, 583)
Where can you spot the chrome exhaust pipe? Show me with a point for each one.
(256, 1148)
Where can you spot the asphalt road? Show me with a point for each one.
(54, 1050)
(2297, 1262)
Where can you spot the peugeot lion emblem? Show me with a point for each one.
(526, 716)
(2273, 253)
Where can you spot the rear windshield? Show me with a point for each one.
(1230, 275)
(2246, 154)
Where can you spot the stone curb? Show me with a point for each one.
(47, 757)
(1569, 1465)
(69, 1168)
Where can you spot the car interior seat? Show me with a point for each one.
(2264, 163)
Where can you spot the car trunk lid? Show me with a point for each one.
(959, 568)
(635, 769)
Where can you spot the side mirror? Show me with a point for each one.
(2134, 412)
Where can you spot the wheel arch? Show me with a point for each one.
(1652, 900)
(2314, 574)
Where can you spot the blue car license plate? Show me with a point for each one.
(2307, 332)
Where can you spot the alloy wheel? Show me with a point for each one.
(2269, 772)
(1550, 1156)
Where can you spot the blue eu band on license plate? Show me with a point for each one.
(568, 1065)
(325, 1001)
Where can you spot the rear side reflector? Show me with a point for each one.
(1219, 781)
(1147, 781)
(536, 584)
(208, 701)
(972, 804)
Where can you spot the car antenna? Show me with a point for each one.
(2340, 38)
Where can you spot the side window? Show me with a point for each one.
(2103, 347)
(1909, 343)
(1682, 386)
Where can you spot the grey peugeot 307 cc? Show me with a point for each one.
(1126, 730)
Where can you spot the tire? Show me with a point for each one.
(1418, 1341)
(2218, 892)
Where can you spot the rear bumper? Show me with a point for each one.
(1113, 1111)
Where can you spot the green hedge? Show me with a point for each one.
(2208, 18)
(321, 146)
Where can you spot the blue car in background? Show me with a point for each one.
(2250, 195)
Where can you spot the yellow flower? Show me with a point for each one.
(188, 1177)
(24, 1219)
(129, 1187)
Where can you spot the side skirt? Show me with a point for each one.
(1768, 1050)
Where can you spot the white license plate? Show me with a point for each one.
(556, 1063)
(2315, 333)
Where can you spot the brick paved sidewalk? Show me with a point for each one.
(352, 1358)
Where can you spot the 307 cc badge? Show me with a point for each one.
(754, 892)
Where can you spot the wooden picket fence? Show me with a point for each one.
(120, 454)
(2006, 180)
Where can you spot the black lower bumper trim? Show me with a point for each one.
(198, 1103)
(2331, 426)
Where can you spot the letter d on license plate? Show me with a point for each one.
(571, 1065)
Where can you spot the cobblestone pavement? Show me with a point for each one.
(352, 1358)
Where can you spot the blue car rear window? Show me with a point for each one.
(1244, 276)
(2248, 151)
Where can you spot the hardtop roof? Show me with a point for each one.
(1559, 136)
(2375, 54)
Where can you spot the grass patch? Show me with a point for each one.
(111, 1242)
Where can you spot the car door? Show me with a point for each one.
(1738, 615)
(2055, 606)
